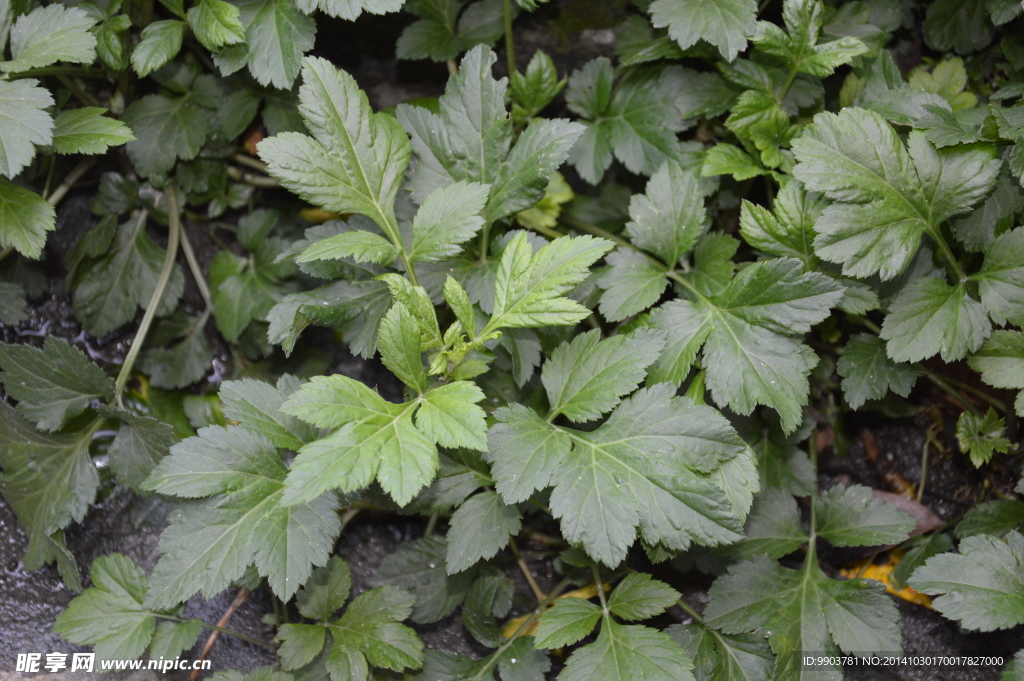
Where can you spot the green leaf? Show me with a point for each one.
(449, 217)
(479, 529)
(167, 128)
(25, 123)
(982, 436)
(529, 287)
(359, 245)
(54, 384)
(723, 23)
(587, 377)
(243, 291)
(449, 415)
(1001, 279)
(110, 615)
(869, 374)
(277, 34)
(631, 284)
(419, 567)
(181, 364)
(852, 516)
(803, 610)
(635, 122)
(773, 527)
(748, 354)
(623, 652)
(368, 633)
(884, 195)
(639, 597)
(1001, 362)
(140, 444)
(49, 481)
(655, 458)
(215, 24)
(931, 317)
(921, 548)
(109, 47)
(798, 45)
(376, 438)
(257, 406)
(399, 345)
(964, 26)
(51, 34)
(521, 662)
(569, 620)
(728, 159)
(261, 674)
(88, 131)
(326, 591)
(238, 519)
(355, 159)
(724, 657)
(161, 42)
(639, 44)
(669, 216)
(996, 518)
(25, 218)
(350, 9)
(534, 90)
(458, 300)
(982, 587)
(110, 291)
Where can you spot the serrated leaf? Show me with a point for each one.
(449, 217)
(1001, 362)
(964, 26)
(724, 657)
(239, 520)
(167, 128)
(588, 376)
(326, 591)
(140, 444)
(110, 615)
(669, 216)
(399, 343)
(359, 245)
(419, 566)
(53, 384)
(1001, 279)
(982, 436)
(257, 406)
(637, 469)
(852, 516)
(931, 317)
(88, 131)
(450, 416)
(521, 662)
(529, 286)
(884, 195)
(161, 42)
(479, 529)
(350, 9)
(215, 24)
(51, 34)
(773, 527)
(724, 23)
(569, 620)
(277, 34)
(789, 233)
(981, 587)
(632, 284)
(623, 652)
(799, 44)
(109, 292)
(13, 308)
(728, 159)
(995, 518)
(869, 374)
(49, 481)
(355, 159)
(639, 597)
(181, 364)
(534, 89)
(635, 122)
(25, 123)
(803, 610)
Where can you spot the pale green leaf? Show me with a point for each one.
(853, 516)
(869, 374)
(931, 317)
(88, 131)
(479, 529)
(51, 34)
(569, 620)
(161, 42)
(23, 124)
(723, 23)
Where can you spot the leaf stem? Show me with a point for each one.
(453, 68)
(174, 233)
(593, 229)
(431, 524)
(197, 272)
(64, 187)
(947, 255)
(510, 47)
(941, 383)
(697, 617)
(524, 568)
(223, 630)
(599, 585)
(249, 161)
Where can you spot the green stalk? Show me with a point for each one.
(599, 584)
(174, 234)
(64, 187)
(230, 632)
(197, 272)
(510, 48)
